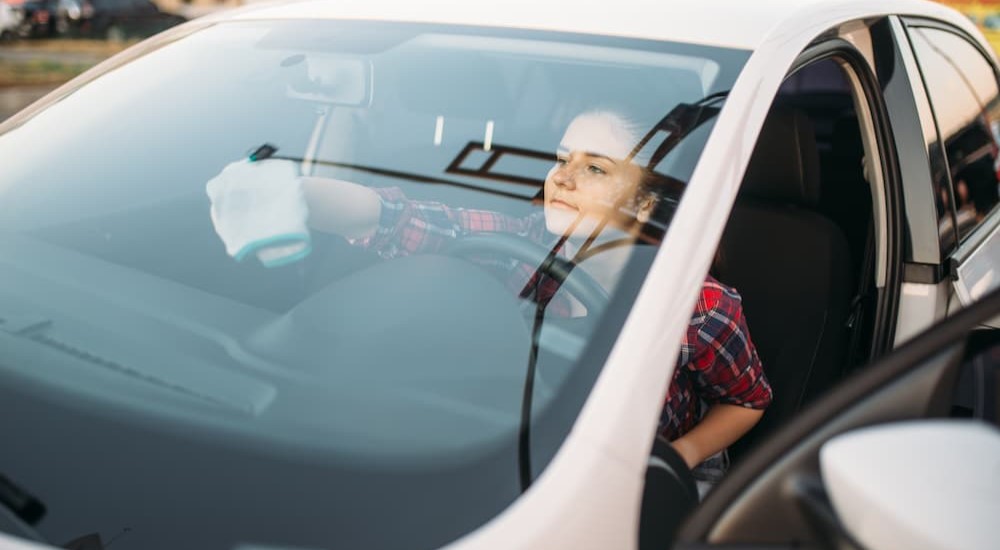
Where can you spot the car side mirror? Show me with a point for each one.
(931, 484)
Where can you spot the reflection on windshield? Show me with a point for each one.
(409, 295)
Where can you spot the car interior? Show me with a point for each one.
(805, 213)
(798, 248)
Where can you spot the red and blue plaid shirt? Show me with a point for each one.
(717, 364)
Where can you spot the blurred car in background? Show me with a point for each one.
(110, 19)
(992, 21)
(9, 20)
(68, 13)
(33, 17)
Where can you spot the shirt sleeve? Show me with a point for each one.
(409, 226)
(726, 366)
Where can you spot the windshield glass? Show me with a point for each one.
(314, 284)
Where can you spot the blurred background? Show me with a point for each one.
(984, 13)
(44, 43)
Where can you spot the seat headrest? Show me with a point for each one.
(785, 164)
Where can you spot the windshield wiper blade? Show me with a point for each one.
(267, 151)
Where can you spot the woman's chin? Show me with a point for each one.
(559, 221)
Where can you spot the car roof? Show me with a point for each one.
(729, 23)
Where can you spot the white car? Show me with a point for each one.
(165, 384)
(9, 21)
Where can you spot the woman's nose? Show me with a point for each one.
(563, 176)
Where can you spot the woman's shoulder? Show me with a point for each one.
(716, 295)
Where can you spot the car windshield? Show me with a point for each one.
(193, 355)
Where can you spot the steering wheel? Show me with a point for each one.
(669, 495)
(581, 285)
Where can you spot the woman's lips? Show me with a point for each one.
(556, 203)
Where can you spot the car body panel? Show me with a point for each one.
(743, 26)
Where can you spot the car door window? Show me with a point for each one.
(962, 88)
(805, 187)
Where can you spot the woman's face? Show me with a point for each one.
(591, 175)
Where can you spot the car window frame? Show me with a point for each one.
(860, 70)
(885, 178)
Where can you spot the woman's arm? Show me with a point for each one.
(727, 373)
(386, 221)
(342, 207)
(722, 426)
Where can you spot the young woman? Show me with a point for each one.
(596, 191)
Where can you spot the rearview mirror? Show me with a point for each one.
(337, 80)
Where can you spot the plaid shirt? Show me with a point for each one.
(717, 364)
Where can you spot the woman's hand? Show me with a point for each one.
(722, 426)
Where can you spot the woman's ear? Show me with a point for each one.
(645, 209)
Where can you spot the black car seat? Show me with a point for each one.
(793, 267)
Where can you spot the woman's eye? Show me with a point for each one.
(560, 162)
(594, 169)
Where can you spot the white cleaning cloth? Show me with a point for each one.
(259, 208)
